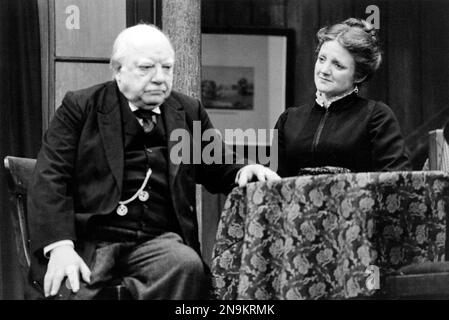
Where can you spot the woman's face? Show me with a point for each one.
(334, 69)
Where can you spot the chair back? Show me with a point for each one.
(438, 151)
(19, 171)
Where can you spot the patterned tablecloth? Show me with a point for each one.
(313, 237)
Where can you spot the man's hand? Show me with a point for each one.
(64, 262)
(262, 173)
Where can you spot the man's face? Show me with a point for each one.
(146, 75)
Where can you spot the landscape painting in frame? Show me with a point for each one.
(228, 87)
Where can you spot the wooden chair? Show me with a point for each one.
(423, 281)
(428, 280)
(19, 173)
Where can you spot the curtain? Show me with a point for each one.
(20, 116)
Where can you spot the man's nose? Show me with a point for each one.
(158, 75)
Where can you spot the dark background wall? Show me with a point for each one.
(20, 116)
(414, 76)
(413, 79)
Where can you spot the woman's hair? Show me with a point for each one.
(360, 39)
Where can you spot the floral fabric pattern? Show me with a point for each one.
(313, 237)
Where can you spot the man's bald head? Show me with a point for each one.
(137, 38)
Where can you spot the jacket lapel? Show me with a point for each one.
(110, 127)
(174, 118)
(111, 131)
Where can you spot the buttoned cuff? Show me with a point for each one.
(56, 244)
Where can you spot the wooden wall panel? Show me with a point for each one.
(303, 17)
(234, 13)
(181, 20)
(433, 39)
(403, 55)
(269, 13)
(99, 23)
(209, 13)
(333, 11)
(376, 88)
(78, 75)
(243, 13)
(143, 11)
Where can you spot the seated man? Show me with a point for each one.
(108, 200)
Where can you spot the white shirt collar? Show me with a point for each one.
(324, 102)
(134, 108)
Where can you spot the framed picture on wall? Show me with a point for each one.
(246, 78)
(227, 87)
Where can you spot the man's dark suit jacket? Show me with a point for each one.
(79, 169)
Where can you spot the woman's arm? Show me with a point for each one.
(388, 147)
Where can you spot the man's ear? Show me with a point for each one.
(117, 76)
(359, 80)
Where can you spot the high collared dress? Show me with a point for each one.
(354, 133)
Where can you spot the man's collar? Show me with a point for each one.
(134, 108)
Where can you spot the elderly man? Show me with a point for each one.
(107, 202)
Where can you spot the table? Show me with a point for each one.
(313, 237)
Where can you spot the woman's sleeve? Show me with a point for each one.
(388, 147)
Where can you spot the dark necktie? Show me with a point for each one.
(148, 118)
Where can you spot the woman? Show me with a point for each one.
(341, 129)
